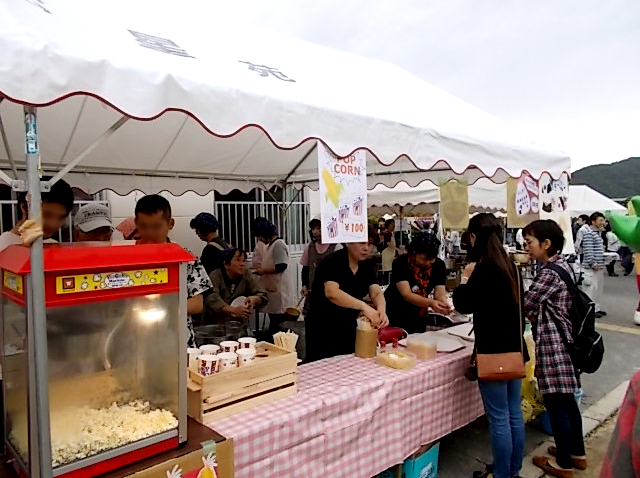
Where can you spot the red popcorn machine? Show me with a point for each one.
(115, 356)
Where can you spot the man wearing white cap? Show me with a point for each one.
(93, 223)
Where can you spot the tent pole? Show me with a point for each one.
(112, 129)
(38, 317)
(299, 163)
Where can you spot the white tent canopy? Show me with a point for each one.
(483, 196)
(216, 105)
(584, 200)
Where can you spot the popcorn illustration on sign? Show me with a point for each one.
(334, 189)
(357, 206)
(343, 213)
(332, 227)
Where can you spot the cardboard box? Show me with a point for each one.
(423, 463)
(393, 472)
(188, 457)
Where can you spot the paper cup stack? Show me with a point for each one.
(246, 351)
(210, 359)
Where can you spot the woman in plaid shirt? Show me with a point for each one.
(547, 305)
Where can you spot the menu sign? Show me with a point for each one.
(554, 197)
(523, 200)
(343, 196)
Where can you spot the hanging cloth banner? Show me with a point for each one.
(454, 205)
(343, 196)
(523, 201)
(554, 204)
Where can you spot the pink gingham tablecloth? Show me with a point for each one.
(353, 418)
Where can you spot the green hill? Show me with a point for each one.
(615, 180)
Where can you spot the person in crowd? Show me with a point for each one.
(275, 274)
(231, 281)
(374, 246)
(465, 242)
(128, 229)
(490, 290)
(57, 204)
(413, 278)
(93, 224)
(577, 223)
(206, 227)
(390, 233)
(258, 251)
(584, 223)
(453, 239)
(623, 454)
(154, 223)
(626, 258)
(519, 240)
(313, 254)
(341, 283)
(389, 255)
(547, 304)
(593, 261)
(613, 245)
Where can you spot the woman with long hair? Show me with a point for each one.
(490, 290)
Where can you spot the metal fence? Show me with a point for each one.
(9, 216)
(235, 219)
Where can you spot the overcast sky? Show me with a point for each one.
(565, 72)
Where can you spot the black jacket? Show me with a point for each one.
(488, 297)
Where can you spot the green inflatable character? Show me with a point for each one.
(627, 228)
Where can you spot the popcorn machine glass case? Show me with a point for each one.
(116, 340)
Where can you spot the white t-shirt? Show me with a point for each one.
(10, 238)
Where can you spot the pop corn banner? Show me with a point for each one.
(343, 196)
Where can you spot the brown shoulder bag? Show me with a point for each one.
(503, 366)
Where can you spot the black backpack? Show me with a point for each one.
(587, 349)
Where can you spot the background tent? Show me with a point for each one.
(484, 196)
(584, 200)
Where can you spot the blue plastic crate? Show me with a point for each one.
(424, 464)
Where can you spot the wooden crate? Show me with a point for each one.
(272, 376)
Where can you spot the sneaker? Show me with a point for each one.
(578, 463)
(636, 317)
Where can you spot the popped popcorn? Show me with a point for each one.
(80, 432)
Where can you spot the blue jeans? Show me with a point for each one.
(502, 405)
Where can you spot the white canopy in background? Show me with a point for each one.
(483, 196)
(584, 200)
(218, 105)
